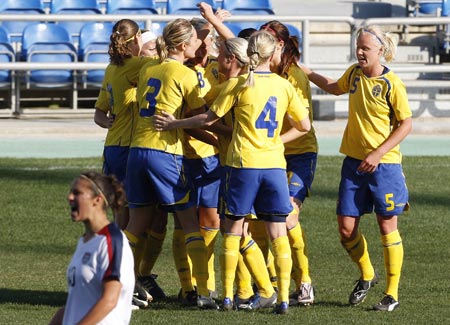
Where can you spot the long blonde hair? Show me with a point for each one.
(176, 32)
(387, 40)
(261, 47)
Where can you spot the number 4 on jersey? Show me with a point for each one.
(266, 120)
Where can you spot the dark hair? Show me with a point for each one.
(291, 53)
(122, 33)
(106, 186)
(247, 32)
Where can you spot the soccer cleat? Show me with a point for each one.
(137, 303)
(151, 286)
(258, 302)
(227, 304)
(388, 303)
(206, 303)
(189, 298)
(141, 293)
(305, 294)
(361, 289)
(282, 308)
(240, 303)
(213, 294)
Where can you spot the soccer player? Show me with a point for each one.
(100, 275)
(379, 118)
(155, 170)
(149, 44)
(300, 154)
(256, 175)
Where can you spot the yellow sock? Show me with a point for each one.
(181, 260)
(393, 260)
(196, 250)
(229, 261)
(300, 263)
(254, 260)
(137, 247)
(357, 249)
(243, 280)
(258, 230)
(210, 236)
(283, 264)
(152, 249)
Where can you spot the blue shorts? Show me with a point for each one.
(156, 176)
(265, 190)
(206, 174)
(300, 170)
(115, 161)
(384, 191)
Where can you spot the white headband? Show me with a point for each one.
(148, 36)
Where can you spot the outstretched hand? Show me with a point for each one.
(163, 122)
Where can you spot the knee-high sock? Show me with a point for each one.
(258, 230)
(300, 263)
(254, 260)
(196, 250)
(357, 249)
(210, 236)
(229, 260)
(283, 265)
(137, 247)
(152, 249)
(393, 260)
(243, 280)
(181, 260)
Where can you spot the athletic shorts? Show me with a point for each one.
(115, 161)
(206, 174)
(265, 190)
(159, 177)
(383, 191)
(300, 170)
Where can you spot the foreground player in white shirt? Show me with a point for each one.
(100, 275)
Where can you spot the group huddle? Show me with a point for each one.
(216, 131)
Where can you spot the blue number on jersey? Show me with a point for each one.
(154, 88)
(352, 91)
(269, 109)
(201, 81)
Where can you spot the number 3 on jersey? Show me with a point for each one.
(270, 111)
(154, 86)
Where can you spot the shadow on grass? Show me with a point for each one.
(33, 297)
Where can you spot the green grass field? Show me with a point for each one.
(37, 239)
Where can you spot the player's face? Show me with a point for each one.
(81, 200)
(192, 47)
(223, 59)
(368, 51)
(149, 49)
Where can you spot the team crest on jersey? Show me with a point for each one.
(376, 91)
(215, 73)
(86, 258)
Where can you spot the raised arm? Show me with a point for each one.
(216, 20)
(323, 82)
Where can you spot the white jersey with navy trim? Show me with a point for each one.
(106, 256)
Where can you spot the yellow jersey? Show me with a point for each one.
(375, 106)
(258, 116)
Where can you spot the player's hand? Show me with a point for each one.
(370, 163)
(205, 10)
(163, 121)
(110, 121)
(222, 14)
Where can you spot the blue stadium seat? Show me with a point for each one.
(132, 7)
(158, 27)
(428, 7)
(48, 43)
(237, 26)
(248, 7)
(75, 7)
(93, 47)
(294, 31)
(186, 7)
(6, 55)
(19, 7)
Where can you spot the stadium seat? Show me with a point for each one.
(132, 7)
(75, 7)
(6, 55)
(248, 7)
(185, 7)
(93, 47)
(48, 43)
(427, 7)
(19, 7)
(158, 27)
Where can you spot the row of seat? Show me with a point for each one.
(430, 7)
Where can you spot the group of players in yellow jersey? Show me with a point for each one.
(218, 132)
